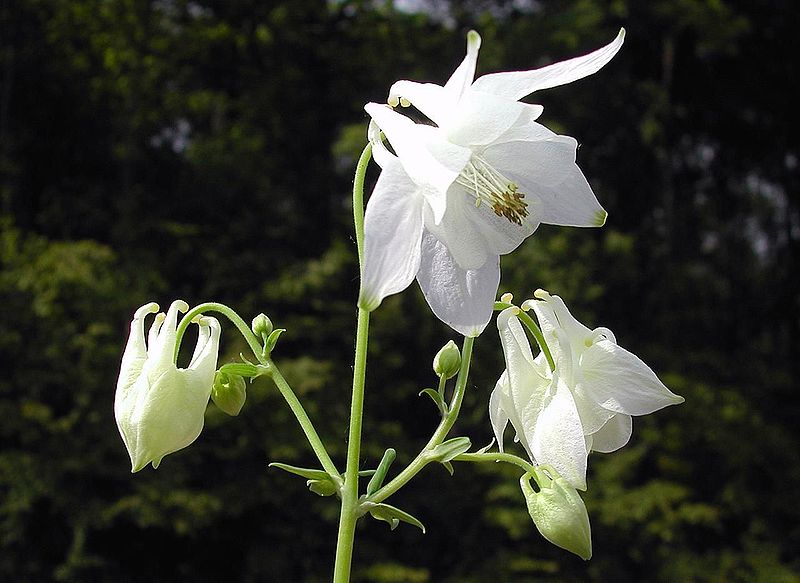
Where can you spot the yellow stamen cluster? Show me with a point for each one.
(487, 185)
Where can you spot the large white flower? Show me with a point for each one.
(453, 197)
(159, 407)
(584, 405)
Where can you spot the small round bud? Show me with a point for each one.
(262, 326)
(507, 298)
(447, 361)
(229, 392)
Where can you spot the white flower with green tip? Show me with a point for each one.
(584, 405)
(159, 407)
(453, 197)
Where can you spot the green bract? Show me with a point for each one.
(159, 407)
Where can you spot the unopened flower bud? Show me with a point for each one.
(558, 512)
(159, 407)
(447, 361)
(262, 326)
(229, 392)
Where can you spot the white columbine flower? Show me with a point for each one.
(453, 197)
(159, 407)
(584, 405)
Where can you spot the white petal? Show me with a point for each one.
(204, 361)
(528, 384)
(474, 233)
(619, 381)
(380, 152)
(463, 299)
(497, 415)
(516, 348)
(161, 353)
(392, 236)
(555, 188)
(429, 160)
(526, 129)
(552, 313)
(429, 98)
(613, 435)
(462, 77)
(558, 436)
(135, 353)
(480, 118)
(518, 84)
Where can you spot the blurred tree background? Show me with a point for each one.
(204, 149)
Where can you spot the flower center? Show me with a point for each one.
(487, 185)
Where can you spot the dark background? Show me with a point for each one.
(204, 150)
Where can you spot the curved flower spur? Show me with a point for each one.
(452, 198)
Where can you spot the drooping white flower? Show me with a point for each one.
(159, 407)
(584, 405)
(453, 197)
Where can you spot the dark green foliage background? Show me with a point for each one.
(204, 150)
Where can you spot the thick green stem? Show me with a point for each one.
(350, 507)
(441, 432)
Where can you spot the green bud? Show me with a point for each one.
(229, 392)
(447, 361)
(558, 512)
(262, 326)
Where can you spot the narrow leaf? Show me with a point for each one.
(436, 398)
(393, 516)
(308, 473)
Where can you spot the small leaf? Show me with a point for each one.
(380, 474)
(324, 487)
(241, 369)
(272, 340)
(449, 467)
(436, 398)
(444, 452)
(486, 448)
(308, 473)
(393, 516)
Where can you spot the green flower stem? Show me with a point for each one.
(496, 457)
(242, 326)
(535, 330)
(283, 386)
(441, 432)
(350, 507)
(305, 423)
(537, 333)
(358, 199)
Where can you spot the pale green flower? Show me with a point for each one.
(159, 407)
